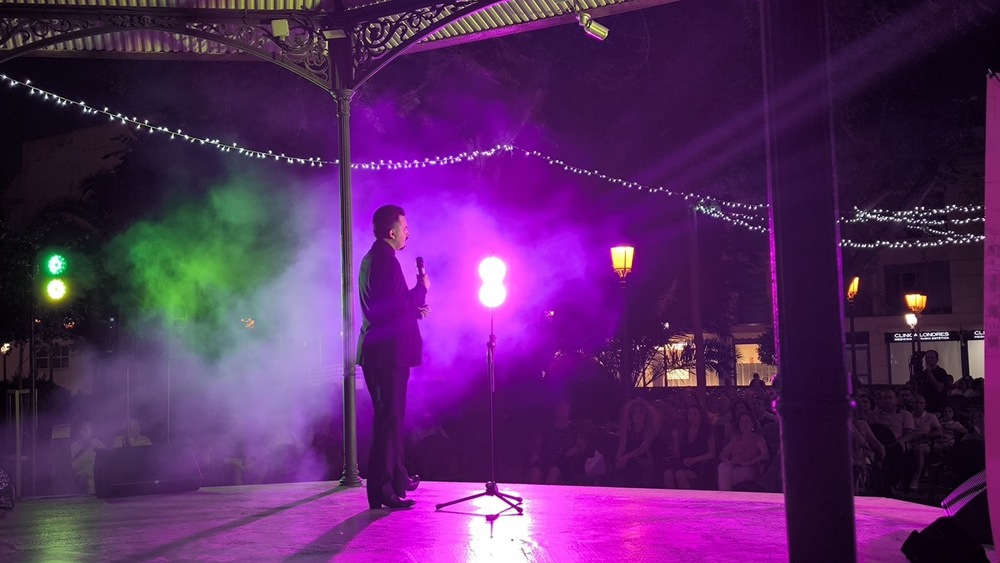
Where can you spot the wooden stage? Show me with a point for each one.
(322, 521)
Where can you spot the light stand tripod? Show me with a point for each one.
(491, 487)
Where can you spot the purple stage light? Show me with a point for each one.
(493, 292)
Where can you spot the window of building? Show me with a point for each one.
(59, 357)
(930, 278)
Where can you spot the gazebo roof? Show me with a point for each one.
(496, 18)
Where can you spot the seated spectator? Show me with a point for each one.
(899, 423)
(867, 452)
(135, 437)
(739, 407)
(743, 457)
(968, 457)
(962, 387)
(978, 429)
(926, 431)
(83, 453)
(863, 408)
(724, 411)
(905, 398)
(951, 430)
(976, 390)
(759, 410)
(634, 461)
(693, 452)
(666, 416)
(558, 449)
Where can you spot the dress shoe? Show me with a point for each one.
(391, 501)
(413, 484)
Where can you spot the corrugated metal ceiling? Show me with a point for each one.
(510, 16)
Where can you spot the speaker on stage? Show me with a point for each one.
(960, 535)
(145, 470)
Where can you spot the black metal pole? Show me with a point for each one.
(699, 335)
(351, 477)
(854, 342)
(814, 405)
(491, 373)
(626, 358)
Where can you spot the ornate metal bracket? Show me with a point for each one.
(303, 50)
(374, 36)
(378, 41)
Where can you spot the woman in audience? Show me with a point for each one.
(867, 451)
(557, 450)
(740, 406)
(634, 462)
(926, 431)
(694, 450)
(743, 457)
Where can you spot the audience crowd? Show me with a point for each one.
(920, 438)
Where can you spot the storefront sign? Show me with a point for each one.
(933, 336)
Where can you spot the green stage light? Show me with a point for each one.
(56, 289)
(56, 264)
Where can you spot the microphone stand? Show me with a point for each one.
(491, 487)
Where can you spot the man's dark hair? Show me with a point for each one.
(384, 218)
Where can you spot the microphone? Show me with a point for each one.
(421, 272)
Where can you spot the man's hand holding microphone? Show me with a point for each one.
(423, 310)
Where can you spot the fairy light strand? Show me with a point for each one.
(926, 219)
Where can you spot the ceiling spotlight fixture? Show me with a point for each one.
(591, 27)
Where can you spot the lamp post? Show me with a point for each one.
(621, 261)
(916, 302)
(911, 320)
(852, 292)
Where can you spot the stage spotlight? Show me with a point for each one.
(592, 28)
(493, 293)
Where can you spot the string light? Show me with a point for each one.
(926, 219)
(945, 241)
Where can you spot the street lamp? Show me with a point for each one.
(852, 292)
(621, 261)
(916, 302)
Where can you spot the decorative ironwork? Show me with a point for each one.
(304, 46)
(28, 30)
(303, 50)
(378, 38)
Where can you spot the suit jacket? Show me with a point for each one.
(390, 336)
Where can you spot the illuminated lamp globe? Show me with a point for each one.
(492, 270)
(56, 289)
(492, 295)
(56, 264)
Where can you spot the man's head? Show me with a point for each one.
(133, 428)
(889, 401)
(389, 224)
(931, 359)
(906, 396)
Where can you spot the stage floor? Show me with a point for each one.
(322, 521)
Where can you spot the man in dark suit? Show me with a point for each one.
(388, 347)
